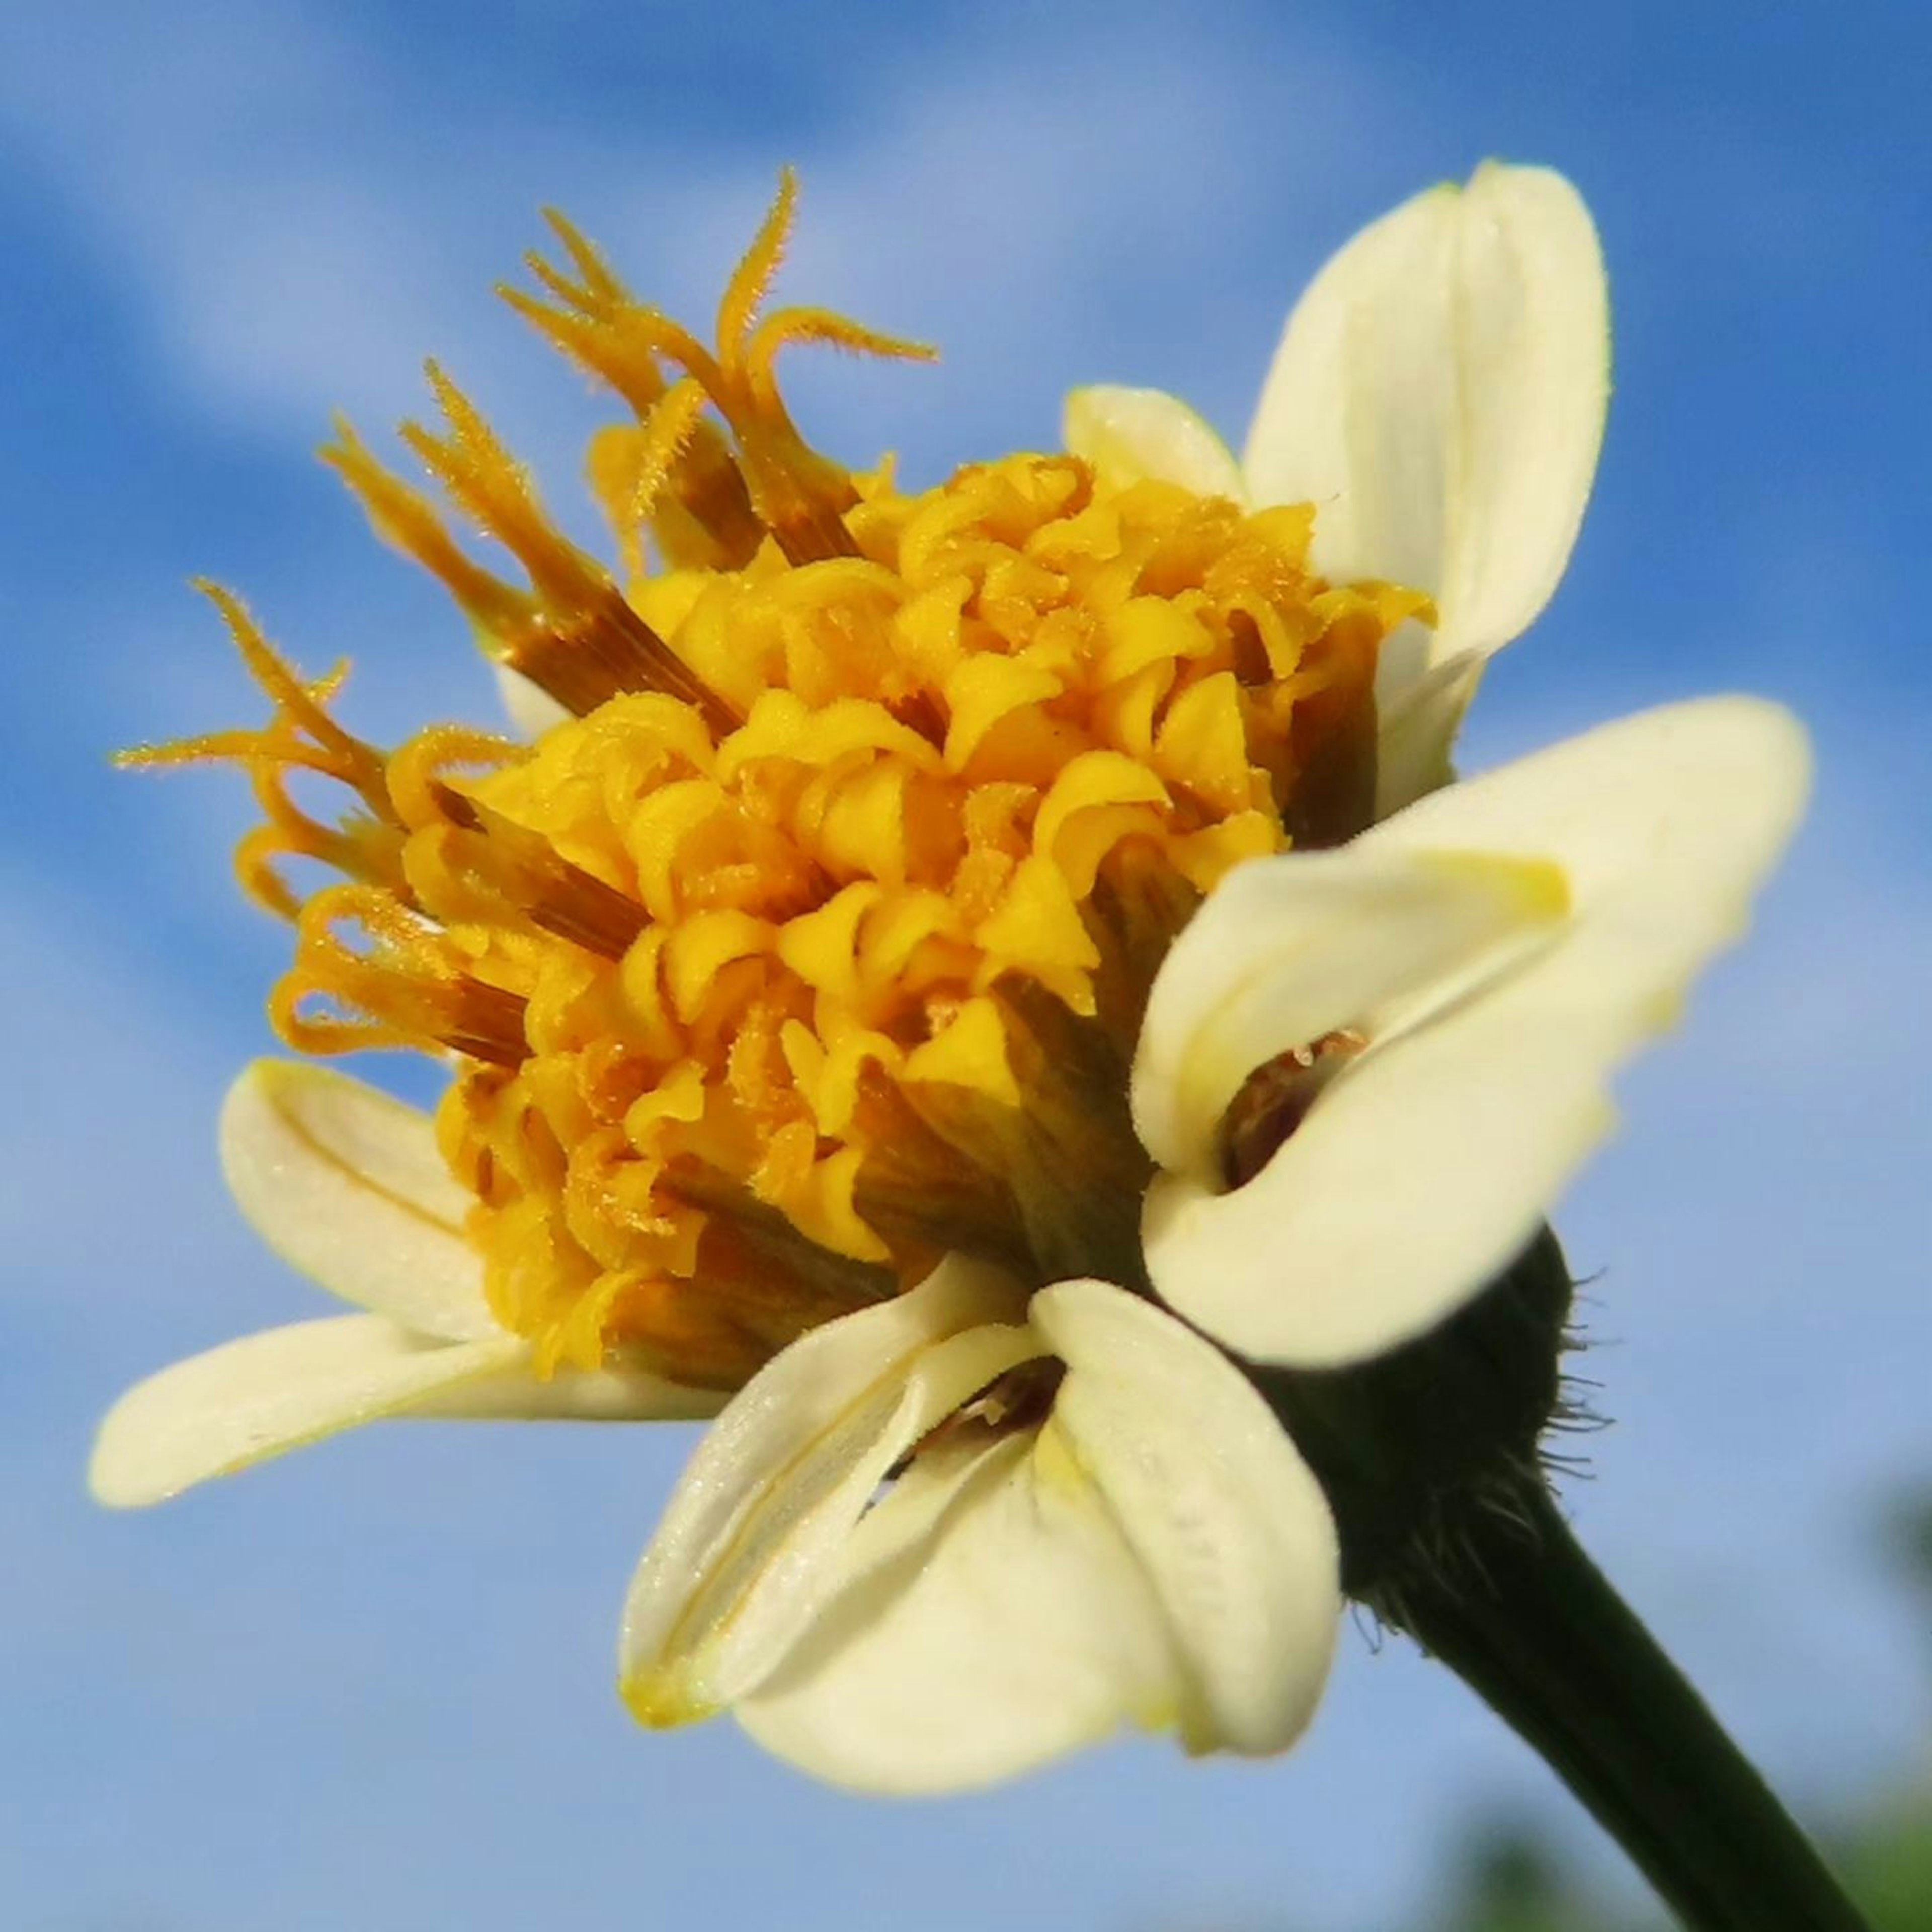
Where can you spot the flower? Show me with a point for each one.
(899, 989)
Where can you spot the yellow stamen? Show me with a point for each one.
(816, 942)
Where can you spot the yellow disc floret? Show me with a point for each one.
(814, 941)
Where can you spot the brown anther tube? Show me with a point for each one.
(812, 534)
(561, 898)
(487, 1023)
(707, 483)
(606, 652)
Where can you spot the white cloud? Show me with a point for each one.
(305, 221)
(297, 237)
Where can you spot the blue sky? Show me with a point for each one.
(370, 1686)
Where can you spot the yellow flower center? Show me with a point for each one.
(814, 941)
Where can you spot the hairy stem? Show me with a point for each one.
(1530, 1625)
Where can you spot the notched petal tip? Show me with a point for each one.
(1439, 394)
(1232, 1532)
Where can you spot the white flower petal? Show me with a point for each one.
(1429, 1163)
(1439, 395)
(347, 1185)
(1679, 810)
(750, 1541)
(1287, 949)
(993, 1618)
(1416, 729)
(616, 1394)
(1231, 1528)
(1353, 414)
(1131, 434)
(532, 710)
(266, 1394)
(1155, 1553)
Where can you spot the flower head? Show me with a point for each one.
(926, 932)
(809, 943)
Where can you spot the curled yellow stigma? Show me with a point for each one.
(813, 940)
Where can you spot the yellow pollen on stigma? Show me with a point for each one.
(814, 941)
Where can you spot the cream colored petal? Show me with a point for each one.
(1428, 1163)
(1287, 949)
(1354, 414)
(618, 1394)
(1129, 435)
(1663, 805)
(1156, 1554)
(347, 1186)
(1230, 1528)
(993, 1617)
(266, 1394)
(532, 710)
(750, 1542)
(1439, 395)
(1416, 730)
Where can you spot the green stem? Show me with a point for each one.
(1533, 1626)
